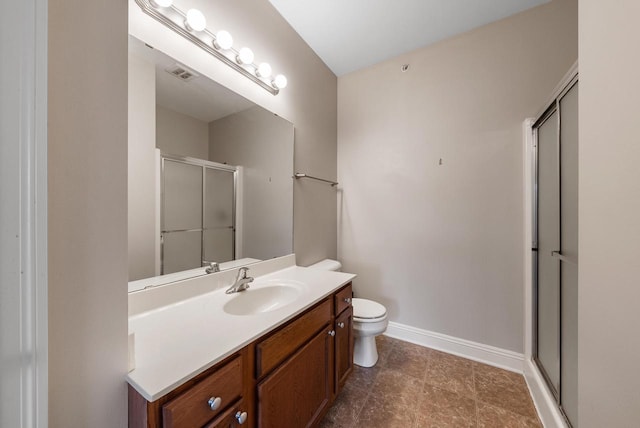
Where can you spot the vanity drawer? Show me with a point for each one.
(343, 299)
(277, 347)
(191, 408)
(231, 418)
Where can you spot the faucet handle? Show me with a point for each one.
(213, 267)
(242, 272)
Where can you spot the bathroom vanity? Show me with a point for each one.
(278, 364)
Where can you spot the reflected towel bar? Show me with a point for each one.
(301, 175)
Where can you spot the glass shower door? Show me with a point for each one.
(219, 223)
(548, 287)
(568, 255)
(556, 279)
(197, 213)
(181, 216)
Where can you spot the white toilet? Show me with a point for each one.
(369, 320)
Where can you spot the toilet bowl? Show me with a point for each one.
(369, 320)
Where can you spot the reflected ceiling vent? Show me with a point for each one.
(182, 72)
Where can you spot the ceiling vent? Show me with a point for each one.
(182, 72)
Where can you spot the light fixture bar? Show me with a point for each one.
(205, 42)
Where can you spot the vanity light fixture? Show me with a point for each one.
(195, 20)
(280, 81)
(264, 70)
(192, 25)
(223, 40)
(245, 56)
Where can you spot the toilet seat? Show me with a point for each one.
(365, 310)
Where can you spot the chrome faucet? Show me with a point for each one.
(213, 267)
(242, 281)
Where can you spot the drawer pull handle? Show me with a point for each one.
(241, 417)
(332, 333)
(214, 403)
(341, 324)
(347, 300)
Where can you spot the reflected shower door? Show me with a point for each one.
(197, 213)
(181, 216)
(219, 224)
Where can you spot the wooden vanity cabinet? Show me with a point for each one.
(298, 393)
(285, 379)
(343, 348)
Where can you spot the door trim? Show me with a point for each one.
(24, 235)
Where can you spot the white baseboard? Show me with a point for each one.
(548, 412)
(508, 360)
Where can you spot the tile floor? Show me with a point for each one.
(416, 387)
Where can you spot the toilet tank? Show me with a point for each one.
(327, 264)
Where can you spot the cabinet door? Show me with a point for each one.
(344, 348)
(297, 393)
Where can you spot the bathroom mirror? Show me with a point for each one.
(210, 174)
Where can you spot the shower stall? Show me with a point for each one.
(555, 248)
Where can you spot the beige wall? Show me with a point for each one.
(142, 168)
(309, 102)
(179, 134)
(440, 245)
(87, 172)
(263, 145)
(609, 229)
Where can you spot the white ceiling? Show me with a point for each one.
(201, 98)
(352, 34)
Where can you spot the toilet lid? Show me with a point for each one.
(367, 309)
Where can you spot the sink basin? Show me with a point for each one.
(261, 300)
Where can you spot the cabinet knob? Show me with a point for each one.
(241, 417)
(347, 300)
(341, 324)
(332, 332)
(214, 403)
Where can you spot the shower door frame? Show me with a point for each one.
(204, 164)
(552, 107)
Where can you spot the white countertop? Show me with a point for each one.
(175, 342)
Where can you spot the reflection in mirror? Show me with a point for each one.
(210, 174)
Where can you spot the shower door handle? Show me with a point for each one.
(557, 254)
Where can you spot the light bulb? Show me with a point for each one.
(195, 20)
(223, 40)
(245, 56)
(161, 3)
(280, 81)
(264, 70)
